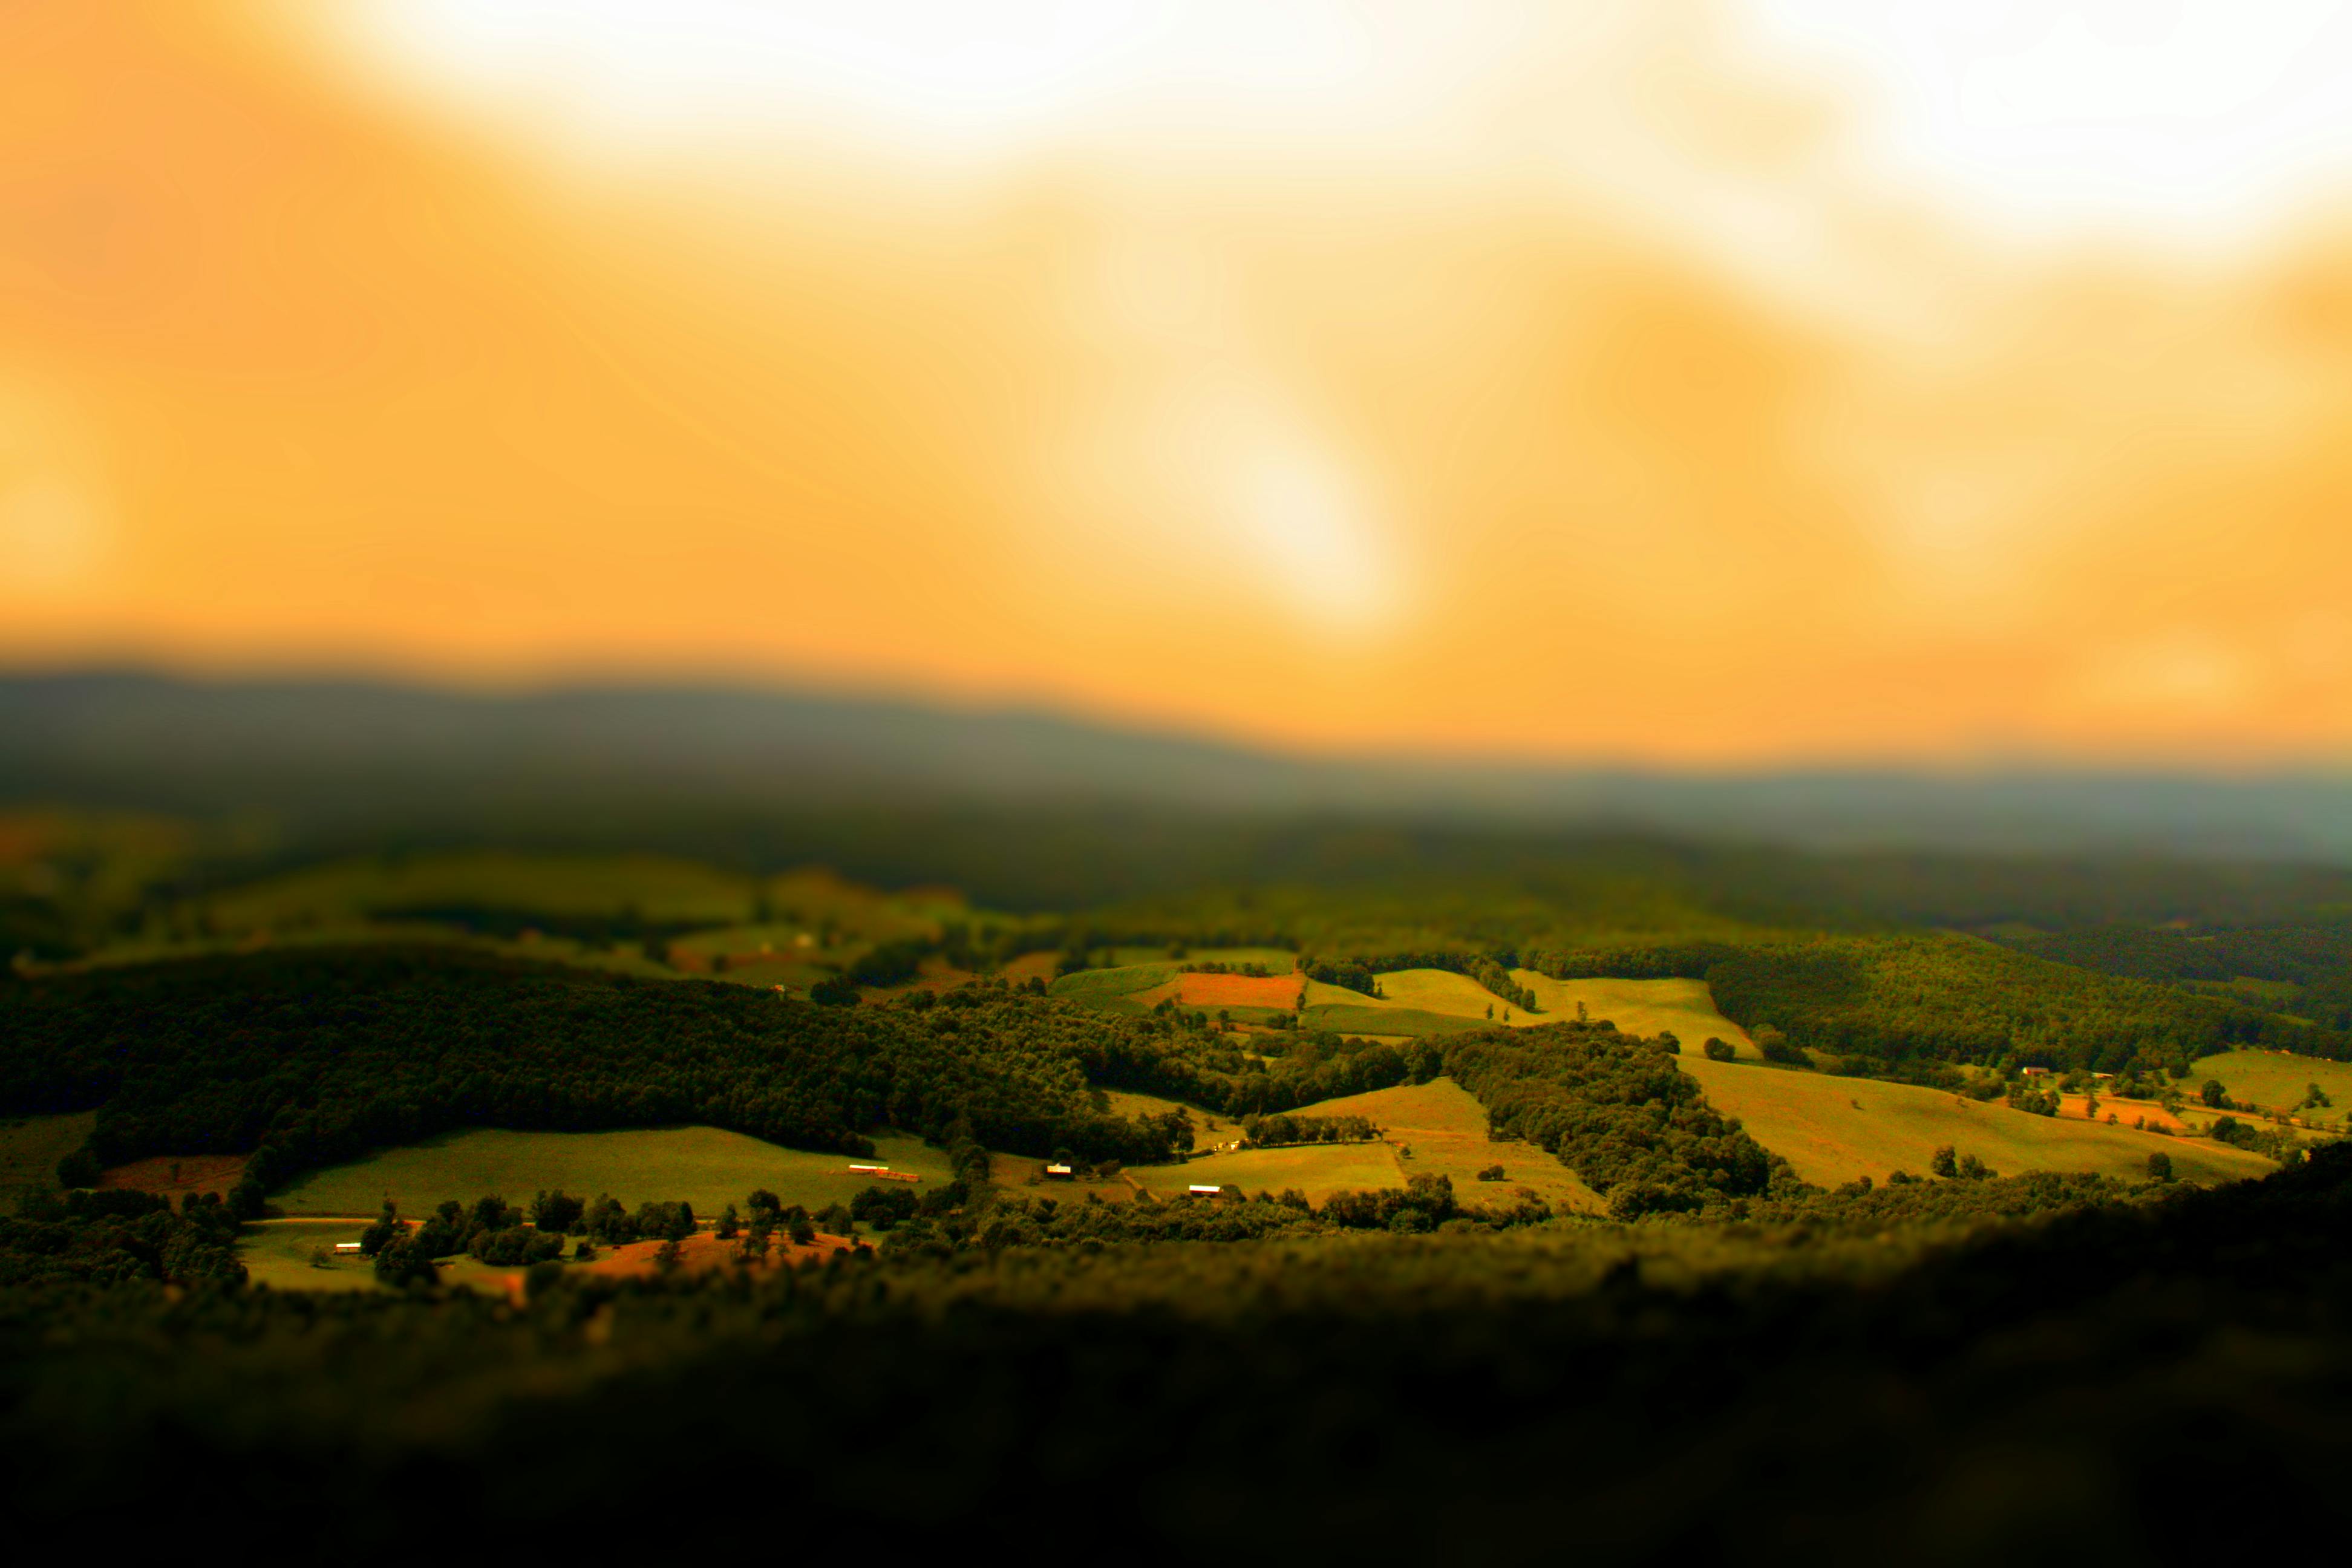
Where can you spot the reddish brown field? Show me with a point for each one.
(704, 1253)
(2125, 1112)
(1240, 990)
(1226, 991)
(184, 1174)
(1030, 966)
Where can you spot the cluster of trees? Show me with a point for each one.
(1615, 1109)
(2034, 1101)
(1108, 1377)
(116, 1237)
(1217, 966)
(1279, 1127)
(490, 1229)
(1949, 1163)
(2278, 1143)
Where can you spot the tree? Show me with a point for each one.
(1972, 1169)
(2159, 1166)
(2213, 1094)
(1944, 1162)
(1718, 1050)
(387, 1227)
(727, 1226)
(556, 1213)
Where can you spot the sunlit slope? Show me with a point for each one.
(1438, 1001)
(1446, 1128)
(1412, 1002)
(706, 1166)
(1833, 1129)
(1317, 1170)
(1685, 1008)
(2277, 1080)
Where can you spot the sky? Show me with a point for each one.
(1683, 383)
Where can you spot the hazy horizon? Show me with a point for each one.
(1764, 385)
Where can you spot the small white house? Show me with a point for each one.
(1060, 1174)
(347, 1249)
(1205, 1190)
(868, 1170)
(2037, 1072)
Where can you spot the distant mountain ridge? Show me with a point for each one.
(362, 749)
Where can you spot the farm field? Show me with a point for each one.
(1375, 1020)
(1317, 1170)
(278, 1252)
(1416, 1002)
(1267, 992)
(1644, 1007)
(1445, 1128)
(1111, 984)
(170, 1177)
(707, 1167)
(1833, 1130)
(2275, 1080)
(1413, 1002)
(1210, 1126)
(31, 1146)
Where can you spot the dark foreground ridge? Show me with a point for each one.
(2147, 1381)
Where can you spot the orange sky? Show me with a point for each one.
(1614, 405)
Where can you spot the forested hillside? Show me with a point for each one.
(1954, 998)
(311, 1055)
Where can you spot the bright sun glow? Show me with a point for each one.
(2163, 117)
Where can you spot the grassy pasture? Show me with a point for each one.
(1445, 1126)
(283, 1255)
(278, 1252)
(1375, 1019)
(1413, 1002)
(1836, 1128)
(706, 1166)
(31, 1146)
(1418, 1002)
(1644, 1007)
(1317, 1170)
(2276, 1080)
(1108, 984)
(1210, 1126)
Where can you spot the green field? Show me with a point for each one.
(1318, 1169)
(1375, 1019)
(706, 1166)
(1416, 1002)
(1836, 1128)
(31, 1146)
(287, 1254)
(1446, 1128)
(1412, 1002)
(2276, 1080)
(1107, 985)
